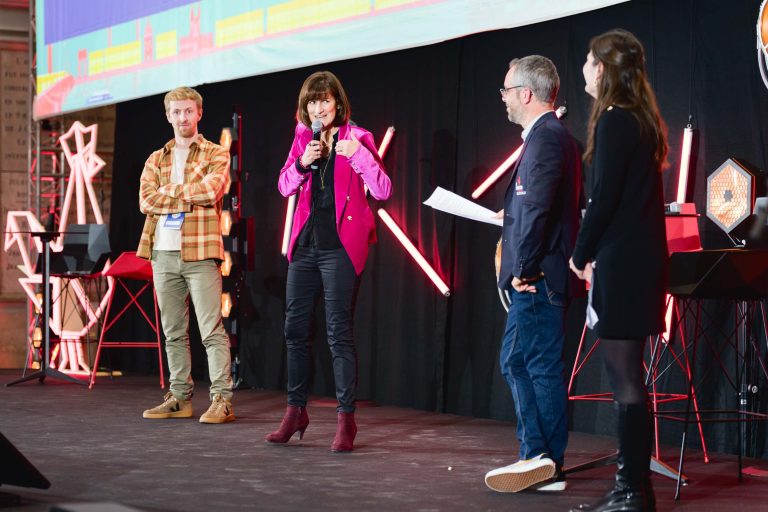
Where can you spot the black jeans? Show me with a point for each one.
(310, 271)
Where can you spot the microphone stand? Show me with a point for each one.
(46, 237)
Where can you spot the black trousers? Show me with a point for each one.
(311, 271)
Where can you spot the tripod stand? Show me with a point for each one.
(46, 237)
(739, 277)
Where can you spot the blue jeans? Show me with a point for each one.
(531, 362)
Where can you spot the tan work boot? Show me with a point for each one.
(220, 411)
(170, 408)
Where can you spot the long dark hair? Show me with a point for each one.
(624, 84)
(316, 87)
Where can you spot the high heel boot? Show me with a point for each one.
(346, 430)
(632, 490)
(295, 420)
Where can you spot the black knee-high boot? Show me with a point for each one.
(632, 490)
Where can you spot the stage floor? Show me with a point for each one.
(95, 447)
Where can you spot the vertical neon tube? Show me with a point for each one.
(685, 162)
(422, 262)
(682, 187)
(288, 224)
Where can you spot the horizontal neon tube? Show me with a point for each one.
(405, 241)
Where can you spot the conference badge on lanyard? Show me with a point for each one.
(174, 220)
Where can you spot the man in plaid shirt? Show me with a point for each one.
(181, 192)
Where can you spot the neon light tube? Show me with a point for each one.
(288, 224)
(495, 175)
(500, 170)
(408, 245)
(685, 162)
(385, 141)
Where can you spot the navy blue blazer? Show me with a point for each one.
(541, 209)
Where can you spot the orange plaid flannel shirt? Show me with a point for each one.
(206, 179)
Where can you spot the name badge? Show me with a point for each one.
(173, 221)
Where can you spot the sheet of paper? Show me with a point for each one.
(449, 202)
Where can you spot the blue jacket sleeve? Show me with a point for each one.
(544, 178)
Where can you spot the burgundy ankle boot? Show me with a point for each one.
(295, 419)
(346, 429)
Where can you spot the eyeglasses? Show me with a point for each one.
(505, 90)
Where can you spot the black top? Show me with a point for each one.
(320, 230)
(623, 230)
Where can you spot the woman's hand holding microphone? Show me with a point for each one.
(311, 153)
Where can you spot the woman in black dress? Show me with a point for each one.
(621, 247)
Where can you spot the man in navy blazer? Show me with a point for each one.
(541, 220)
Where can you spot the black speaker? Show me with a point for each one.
(15, 469)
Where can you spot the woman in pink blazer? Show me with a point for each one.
(332, 228)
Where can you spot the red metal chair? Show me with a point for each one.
(130, 267)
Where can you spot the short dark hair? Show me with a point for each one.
(316, 87)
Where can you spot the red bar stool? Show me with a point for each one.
(129, 267)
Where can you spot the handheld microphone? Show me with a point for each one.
(317, 126)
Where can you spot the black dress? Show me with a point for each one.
(623, 230)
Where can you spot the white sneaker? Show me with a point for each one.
(554, 484)
(520, 475)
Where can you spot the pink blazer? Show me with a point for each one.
(354, 219)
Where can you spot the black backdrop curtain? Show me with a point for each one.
(417, 348)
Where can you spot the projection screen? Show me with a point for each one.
(97, 52)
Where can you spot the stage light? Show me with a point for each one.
(225, 140)
(38, 301)
(730, 195)
(422, 262)
(385, 141)
(226, 304)
(226, 265)
(226, 222)
(685, 162)
(762, 41)
(500, 170)
(288, 224)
